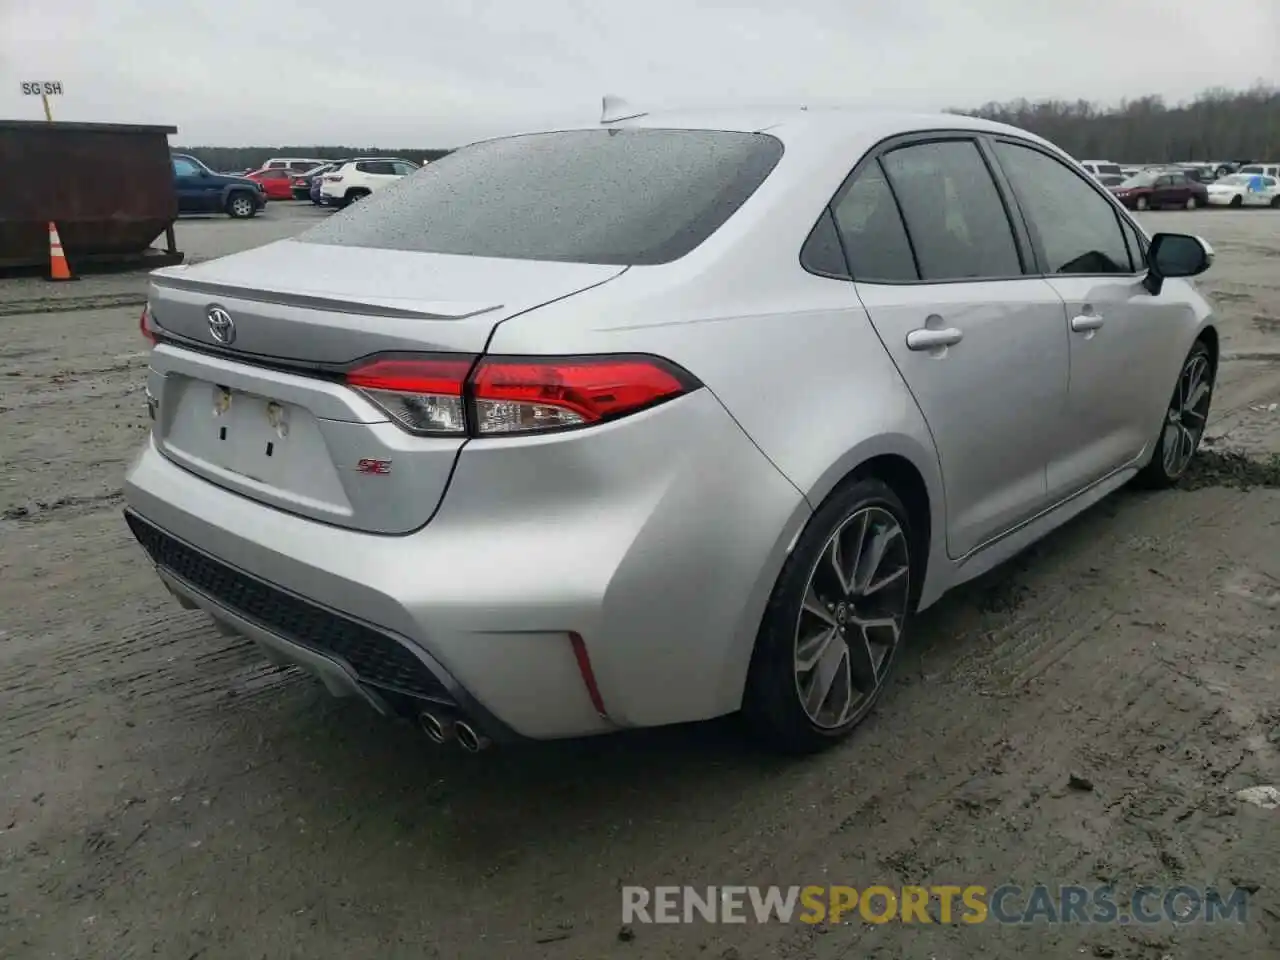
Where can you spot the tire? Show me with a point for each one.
(1182, 427)
(813, 613)
(1192, 202)
(1237, 202)
(241, 206)
(356, 195)
(1275, 203)
(1142, 204)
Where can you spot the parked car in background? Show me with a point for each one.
(1245, 190)
(358, 178)
(736, 393)
(1263, 169)
(1155, 189)
(200, 190)
(293, 164)
(1201, 173)
(318, 181)
(277, 183)
(1102, 167)
(301, 183)
(1110, 179)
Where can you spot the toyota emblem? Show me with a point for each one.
(221, 326)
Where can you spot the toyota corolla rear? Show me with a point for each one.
(344, 470)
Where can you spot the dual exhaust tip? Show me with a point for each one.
(441, 728)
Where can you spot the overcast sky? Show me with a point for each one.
(400, 73)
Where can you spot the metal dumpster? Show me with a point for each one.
(108, 187)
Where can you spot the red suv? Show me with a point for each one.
(1152, 189)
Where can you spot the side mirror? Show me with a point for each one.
(1175, 255)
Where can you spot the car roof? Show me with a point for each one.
(813, 124)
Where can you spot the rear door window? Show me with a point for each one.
(380, 168)
(610, 196)
(954, 215)
(871, 229)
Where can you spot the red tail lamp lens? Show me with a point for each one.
(520, 395)
(511, 395)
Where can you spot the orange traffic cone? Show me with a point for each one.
(58, 267)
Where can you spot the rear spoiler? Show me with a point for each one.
(367, 306)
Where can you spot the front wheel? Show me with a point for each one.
(241, 206)
(1184, 421)
(1237, 201)
(1275, 203)
(835, 622)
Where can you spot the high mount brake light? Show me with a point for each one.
(497, 396)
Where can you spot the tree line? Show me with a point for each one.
(1217, 125)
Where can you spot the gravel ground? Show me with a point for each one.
(1084, 715)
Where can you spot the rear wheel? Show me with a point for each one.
(831, 633)
(354, 196)
(1275, 203)
(241, 206)
(1237, 201)
(1142, 203)
(1184, 421)
(1192, 202)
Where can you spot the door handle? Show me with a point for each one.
(926, 339)
(1086, 322)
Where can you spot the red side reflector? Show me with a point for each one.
(588, 675)
(145, 326)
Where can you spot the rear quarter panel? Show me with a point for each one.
(797, 364)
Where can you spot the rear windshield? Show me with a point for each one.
(1111, 169)
(584, 196)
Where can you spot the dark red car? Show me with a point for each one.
(278, 184)
(1153, 189)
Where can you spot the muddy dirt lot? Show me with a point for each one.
(163, 794)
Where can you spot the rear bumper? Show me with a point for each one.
(349, 657)
(656, 540)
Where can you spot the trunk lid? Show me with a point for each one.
(297, 438)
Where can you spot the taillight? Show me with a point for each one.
(144, 324)
(520, 395)
(496, 396)
(332, 179)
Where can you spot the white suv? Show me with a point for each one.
(293, 164)
(360, 177)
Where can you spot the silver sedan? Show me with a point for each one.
(664, 419)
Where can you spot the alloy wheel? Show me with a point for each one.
(241, 207)
(855, 604)
(1188, 412)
